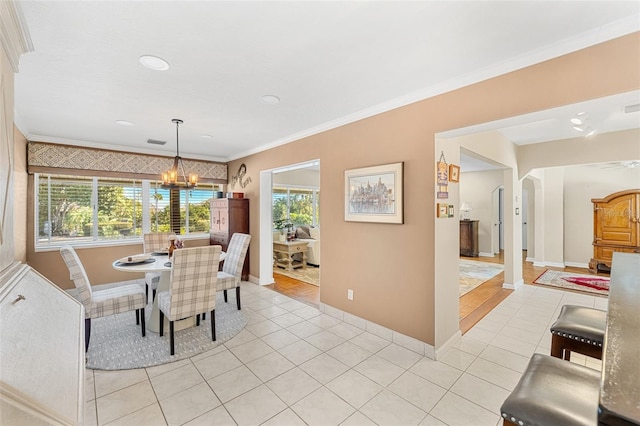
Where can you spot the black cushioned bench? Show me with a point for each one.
(578, 329)
(553, 392)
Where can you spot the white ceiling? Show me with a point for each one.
(329, 62)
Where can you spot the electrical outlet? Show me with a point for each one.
(350, 294)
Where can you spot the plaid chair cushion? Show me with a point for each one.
(103, 302)
(117, 299)
(155, 241)
(193, 283)
(227, 281)
(236, 253)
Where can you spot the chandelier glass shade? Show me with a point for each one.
(176, 177)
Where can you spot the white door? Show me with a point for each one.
(525, 210)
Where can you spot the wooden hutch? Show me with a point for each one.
(616, 227)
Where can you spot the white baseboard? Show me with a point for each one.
(529, 259)
(555, 264)
(399, 339)
(483, 254)
(447, 345)
(513, 286)
(577, 265)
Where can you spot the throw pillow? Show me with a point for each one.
(302, 234)
(315, 233)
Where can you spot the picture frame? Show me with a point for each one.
(374, 194)
(454, 173)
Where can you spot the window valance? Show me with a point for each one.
(77, 160)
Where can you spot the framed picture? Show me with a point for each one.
(454, 173)
(374, 194)
(442, 210)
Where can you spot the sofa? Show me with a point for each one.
(310, 235)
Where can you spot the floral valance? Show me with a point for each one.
(67, 159)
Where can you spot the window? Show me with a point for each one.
(299, 205)
(92, 210)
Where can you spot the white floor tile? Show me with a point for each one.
(270, 366)
(189, 404)
(177, 380)
(255, 406)
(293, 385)
(349, 354)
(280, 339)
(324, 340)
(218, 416)
(370, 342)
(148, 416)
(263, 328)
(418, 391)
(111, 381)
(287, 320)
(457, 359)
(481, 392)
(436, 372)
(379, 370)
(358, 419)
(125, 401)
(286, 417)
(304, 329)
(389, 409)
(494, 373)
(215, 365)
(402, 357)
(249, 351)
(354, 388)
(505, 358)
(324, 368)
(233, 383)
(300, 352)
(455, 410)
(323, 408)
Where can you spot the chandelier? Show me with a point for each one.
(171, 178)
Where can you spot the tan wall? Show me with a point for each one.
(391, 268)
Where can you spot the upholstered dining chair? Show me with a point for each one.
(229, 277)
(106, 302)
(153, 242)
(192, 288)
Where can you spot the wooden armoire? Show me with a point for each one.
(228, 216)
(616, 227)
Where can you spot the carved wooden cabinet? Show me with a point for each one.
(469, 238)
(228, 216)
(616, 227)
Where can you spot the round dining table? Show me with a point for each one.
(158, 263)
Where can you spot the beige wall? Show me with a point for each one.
(21, 196)
(392, 268)
(477, 187)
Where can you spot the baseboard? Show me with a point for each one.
(555, 264)
(407, 342)
(513, 286)
(577, 265)
(483, 254)
(447, 345)
(530, 260)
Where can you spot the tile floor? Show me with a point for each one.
(293, 365)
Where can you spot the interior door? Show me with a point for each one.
(495, 221)
(525, 214)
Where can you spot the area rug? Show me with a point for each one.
(311, 274)
(579, 282)
(117, 343)
(474, 273)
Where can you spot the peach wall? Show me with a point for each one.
(391, 268)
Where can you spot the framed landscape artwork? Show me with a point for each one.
(374, 194)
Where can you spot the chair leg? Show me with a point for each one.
(204, 316)
(556, 346)
(137, 317)
(171, 338)
(144, 327)
(161, 323)
(198, 320)
(87, 333)
(146, 292)
(238, 296)
(225, 296)
(153, 295)
(213, 325)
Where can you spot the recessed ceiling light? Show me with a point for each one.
(580, 129)
(153, 62)
(590, 132)
(271, 99)
(125, 123)
(205, 136)
(576, 120)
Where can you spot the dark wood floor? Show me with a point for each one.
(473, 306)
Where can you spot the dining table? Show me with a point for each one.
(156, 263)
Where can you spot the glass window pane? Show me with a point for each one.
(64, 209)
(119, 209)
(199, 208)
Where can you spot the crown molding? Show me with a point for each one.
(14, 33)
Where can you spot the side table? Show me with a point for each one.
(283, 254)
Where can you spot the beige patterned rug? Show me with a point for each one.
(474, 273)
(311, 274)
(579, 282)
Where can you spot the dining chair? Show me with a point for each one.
(152, 242)
(102, 303)
(229, 277)
(192, 289)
